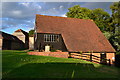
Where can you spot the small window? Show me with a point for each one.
(51, 38)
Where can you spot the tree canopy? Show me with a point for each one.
(100, 17)
(78, 12)
(31, 32)
(115, 24)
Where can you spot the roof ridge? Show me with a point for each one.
(6, 33)
(62, 17)
(20, 30)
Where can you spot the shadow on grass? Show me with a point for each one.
(12, 51)
(36, 71)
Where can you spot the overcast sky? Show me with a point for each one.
(21, 15)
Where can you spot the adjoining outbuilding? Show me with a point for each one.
(10, 42)
(23, 36)
(16, 41)
(71, 35)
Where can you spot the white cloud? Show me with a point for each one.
(20, 10)
(63, 15)
(92, 5)
(54, 8)
(60, 0)
(39, 7)
(25, 4)
(61, 7)
(16, 12)
(24, 12)
(28, 29)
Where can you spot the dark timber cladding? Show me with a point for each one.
(78, 34)
(42, 40)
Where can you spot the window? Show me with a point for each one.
(51, 38)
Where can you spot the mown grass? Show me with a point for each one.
(18, 64)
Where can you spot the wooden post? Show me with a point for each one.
(69, 54)
(80, 56)
(39, 47)
(109, 62)
(90, 57)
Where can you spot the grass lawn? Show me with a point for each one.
(18, 64)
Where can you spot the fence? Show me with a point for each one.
(90, 57)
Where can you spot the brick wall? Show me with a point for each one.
(110, 56)
(53, 54)
(86, 56)
(65, 55)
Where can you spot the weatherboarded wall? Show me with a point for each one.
(20, 35)
(54, 45)
(6, 44)
(16, 45)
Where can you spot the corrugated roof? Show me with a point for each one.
(78, 34)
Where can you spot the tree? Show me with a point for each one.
(78, 12)
(100, 17)
(115, 19)
(31, 32)
(115, 23)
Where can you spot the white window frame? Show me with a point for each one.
(51, 37)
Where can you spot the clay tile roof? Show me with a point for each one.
(78, 34)
(20, 30)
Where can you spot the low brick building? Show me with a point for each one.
(71, 35)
